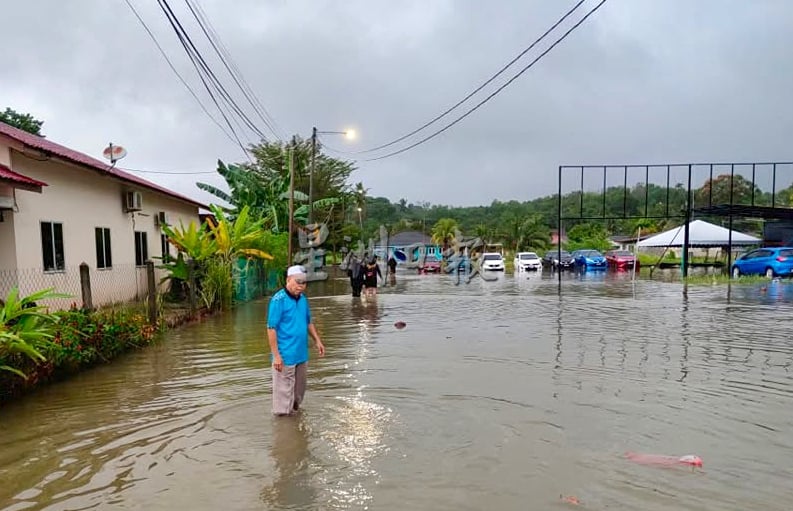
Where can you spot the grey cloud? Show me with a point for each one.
(640, 81)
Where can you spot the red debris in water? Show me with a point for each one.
(570, 499)
(662, 460)
(399, 325)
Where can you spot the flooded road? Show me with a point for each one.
(497, 395)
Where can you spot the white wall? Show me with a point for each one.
(83, 199)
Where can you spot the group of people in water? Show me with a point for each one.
(364, 274)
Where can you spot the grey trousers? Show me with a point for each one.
(289, 388)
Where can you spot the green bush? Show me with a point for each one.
(80, 340)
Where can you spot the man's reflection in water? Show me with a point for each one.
(291, 487)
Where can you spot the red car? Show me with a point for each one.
(621, 260)
(430, 266)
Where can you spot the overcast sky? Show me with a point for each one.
(641, 81)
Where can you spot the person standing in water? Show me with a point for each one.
(288, 326)
(355, 272)
(392, 266)
(370, 274)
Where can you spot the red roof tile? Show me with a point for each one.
(7, 174)
(73, 156)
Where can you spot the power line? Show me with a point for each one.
(203, 68)
(201, 77)
(491, 96)
(178, 75)
(482, 86)
(225, 57)
(170, 172)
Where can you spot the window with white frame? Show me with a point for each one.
(141, 248)
(52, 246)
(104, 258)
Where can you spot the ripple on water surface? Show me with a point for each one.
(498, 395)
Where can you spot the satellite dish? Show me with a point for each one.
(114, 153)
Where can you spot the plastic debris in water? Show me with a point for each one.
(660, 459)
(399, 325)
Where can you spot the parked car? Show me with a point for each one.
(589, 260)
(527, 261)
(621, 260)
(552, 260)
(771, 262)
(430, 265)
(492, 261)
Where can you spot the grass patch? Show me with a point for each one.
(725, 279)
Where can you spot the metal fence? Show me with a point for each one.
(123, 284)
(254, 280)
(120, 284)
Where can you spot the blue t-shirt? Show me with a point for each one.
(289, 317)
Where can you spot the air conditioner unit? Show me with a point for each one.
(161, 218)
(6, 202)
(133, 201)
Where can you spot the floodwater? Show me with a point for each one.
(497, 395)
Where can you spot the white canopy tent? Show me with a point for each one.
(700, 234)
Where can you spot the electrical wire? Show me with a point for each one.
(201, 77)
(228, 62)
(493, 94)
(171, 172)
(203, 68)
(479, 88)
(178, 75)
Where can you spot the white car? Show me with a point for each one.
(527, 261)
(492, 261)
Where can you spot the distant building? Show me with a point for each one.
(405, 240)
(626, 242)
(555, 237)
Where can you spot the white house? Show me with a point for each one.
(60, 208)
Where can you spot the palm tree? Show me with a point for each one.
(534, 233)
(444, 231)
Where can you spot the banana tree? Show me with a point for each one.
(242, 236)
(238, 238)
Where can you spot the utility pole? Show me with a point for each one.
(311, 175)
(291, 156)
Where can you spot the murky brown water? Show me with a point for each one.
(497, 395)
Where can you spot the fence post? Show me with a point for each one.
(152, 292)
(85, 287)
(191, 291)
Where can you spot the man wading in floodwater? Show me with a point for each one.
(288, 326)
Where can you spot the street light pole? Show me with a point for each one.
(360, 221)
(291, 156)
(350, 134)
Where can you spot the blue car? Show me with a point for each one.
(769, 261)
(589, 260)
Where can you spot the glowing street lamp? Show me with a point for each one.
(349, 134)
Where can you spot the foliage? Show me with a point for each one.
(533, 234)
(725, 189)
(217, 284)
(25, 122)
(263, 185)
(589, 235)
(25, 329)
(444, 231)
(215, 249)
(242, 236)
(79, 339)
